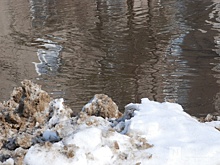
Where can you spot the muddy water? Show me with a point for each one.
(160, 49)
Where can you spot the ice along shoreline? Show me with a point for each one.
(37, 129)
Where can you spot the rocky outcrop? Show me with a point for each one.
(30, 117)
(22, 117)
(102, 105)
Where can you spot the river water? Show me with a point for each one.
(166, 50)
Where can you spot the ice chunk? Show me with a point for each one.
(51, 136)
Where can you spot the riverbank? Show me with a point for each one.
(160, 50)
(37, 129)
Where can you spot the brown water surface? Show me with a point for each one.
(127, 49)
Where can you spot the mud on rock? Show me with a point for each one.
(25, 112)
(102, 105)
(31, 117)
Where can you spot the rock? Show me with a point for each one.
(31, 118)
(4, 157)
(211, 117)
(11, 144)
(24, 140)
(102, 105)
(35, 101)
(28, 106)
(18, 155)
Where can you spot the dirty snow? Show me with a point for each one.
(159, 133)
(38, 130)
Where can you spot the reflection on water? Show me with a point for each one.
(48, 56)
(127, 49)
(214, 20)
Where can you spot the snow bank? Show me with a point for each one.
(147, 133)
(177, 137)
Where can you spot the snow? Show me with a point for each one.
(177, 137)
(8, 162)
(88, 142)
(149, 133)
(59, 112)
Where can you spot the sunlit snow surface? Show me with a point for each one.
(159, 133)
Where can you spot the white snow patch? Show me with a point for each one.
(60, 114)
(87, 139)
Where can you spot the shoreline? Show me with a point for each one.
(36, 127)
